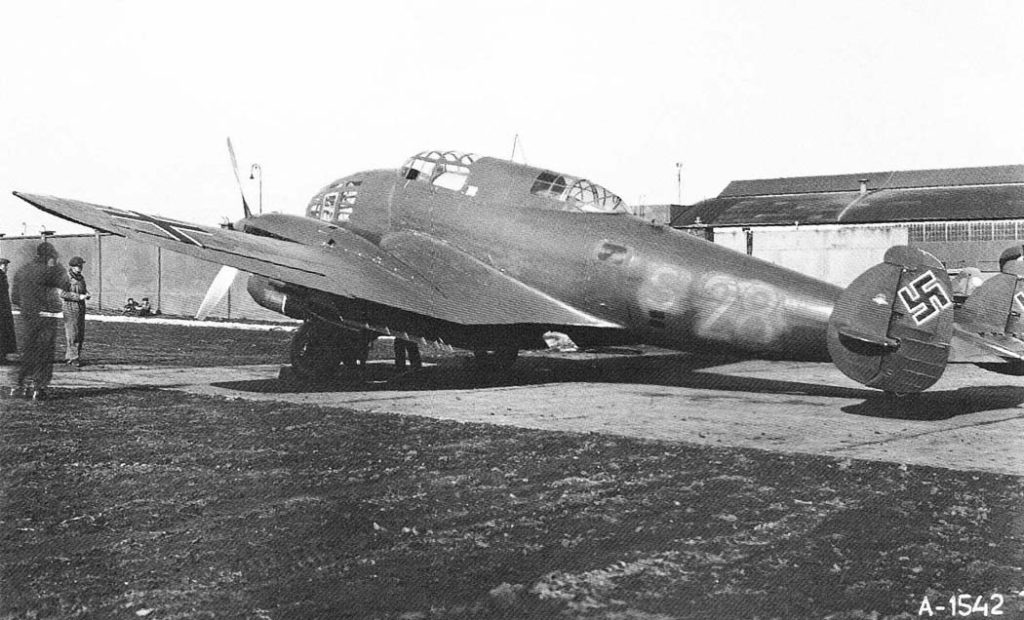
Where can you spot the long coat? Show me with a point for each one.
(74, 308)
(8, 341)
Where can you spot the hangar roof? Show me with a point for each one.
(995, 192)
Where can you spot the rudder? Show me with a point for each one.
(891, 328)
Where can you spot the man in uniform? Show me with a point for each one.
(35, 293)
(74, 311)
(8, 340)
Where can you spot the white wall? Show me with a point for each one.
(833, 253)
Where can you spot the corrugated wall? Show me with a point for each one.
(117, 268)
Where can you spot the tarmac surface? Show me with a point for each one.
(972, 420)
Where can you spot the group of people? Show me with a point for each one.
(134, 308)
(42, 289)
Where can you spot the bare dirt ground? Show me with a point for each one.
(121, 500)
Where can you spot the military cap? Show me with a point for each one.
(76, 261)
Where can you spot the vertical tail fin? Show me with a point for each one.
(990, 323)
(891, 328)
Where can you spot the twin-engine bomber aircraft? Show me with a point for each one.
(489, 255)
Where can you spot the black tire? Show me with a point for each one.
(315, 352)
(355, 350)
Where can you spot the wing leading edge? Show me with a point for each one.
(353, 267)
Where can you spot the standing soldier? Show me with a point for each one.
(8, 340)
(74, 311)
(35, 292)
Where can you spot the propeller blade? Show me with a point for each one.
(218, 289)
(234, 166)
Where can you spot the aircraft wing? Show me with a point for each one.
(445, 284)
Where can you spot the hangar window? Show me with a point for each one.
(579, 194)
(980, 231)
(965, 231)
(935, 232)
(915, 233)
(958, 231)
(1004, 231)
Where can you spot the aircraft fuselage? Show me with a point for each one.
(663, 286)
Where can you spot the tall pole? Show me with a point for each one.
(99, 271)
(159, 280)
(679, 182)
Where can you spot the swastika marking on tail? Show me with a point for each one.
(924, 298)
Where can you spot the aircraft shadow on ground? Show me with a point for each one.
(666, 370)
(671, 370)
(940, 404)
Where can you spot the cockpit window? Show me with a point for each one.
(336, 203)
(327, 211)
(579, 194)
(447, 169)
(549, 184)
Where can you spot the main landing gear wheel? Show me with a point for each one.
(501, 358)
(355, 348)
(316, 352)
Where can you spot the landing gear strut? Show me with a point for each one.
(318, 349)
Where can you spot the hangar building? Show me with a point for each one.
(835, 227)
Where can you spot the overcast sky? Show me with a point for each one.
(129, 103)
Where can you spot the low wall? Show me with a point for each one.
(117, 268)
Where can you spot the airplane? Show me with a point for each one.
(488, 255)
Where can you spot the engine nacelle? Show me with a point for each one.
(273, 296)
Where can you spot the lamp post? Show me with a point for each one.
(256, 168)
(679, 182)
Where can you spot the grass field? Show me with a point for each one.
(145, 503)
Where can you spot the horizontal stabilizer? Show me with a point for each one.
(891, 328)
(972, 348)
(995, 307)
(989, 328)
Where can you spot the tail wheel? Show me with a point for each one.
(315, 351)
(501, 358)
